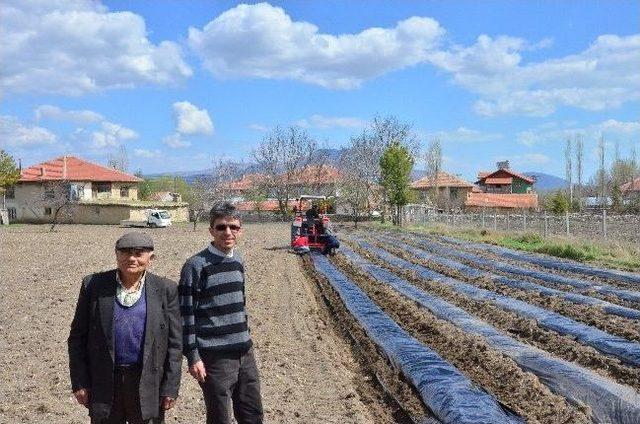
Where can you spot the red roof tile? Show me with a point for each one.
(444, 180)
(631, 186)
(311, 175)
(71, 168)
(499, 200)
(498, 181)
(483, 175)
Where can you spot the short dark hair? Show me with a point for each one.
(222, 210)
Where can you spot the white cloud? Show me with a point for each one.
(15, 134)
(259, 127)
(328, 122)
(76, 47)
(147, 154)
(111, 135)
(175, 141)
(55, 113)
(610, 129)
(463, 135)
(261, 41)
(598, 78)
(190, 120)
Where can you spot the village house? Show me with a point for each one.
(452, 190)
(502, 190)
(97, 194)
(631, 191)
(251, 192)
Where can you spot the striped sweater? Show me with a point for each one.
(212, 304)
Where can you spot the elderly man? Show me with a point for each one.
(216, 334)
(125, 344)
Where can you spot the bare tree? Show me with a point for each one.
(602, 173)
(568, 169)
(212, 188)
(389, 129)
(119, 160)
(357, 179)
(58, 200)
(433, 159)
(281, 155)
(579, 167)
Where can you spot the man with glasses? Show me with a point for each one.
(216, 336)
(125, 344)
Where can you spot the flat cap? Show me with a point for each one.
(135, 240)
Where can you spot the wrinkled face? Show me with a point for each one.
(133, 261)
(225, 232)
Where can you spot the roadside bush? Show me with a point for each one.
(568, 251)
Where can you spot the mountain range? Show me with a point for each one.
(544, 182)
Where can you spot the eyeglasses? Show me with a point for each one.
(223, 227)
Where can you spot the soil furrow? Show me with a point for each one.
(411, 238)
(587, 314)
(371, 360)
(497, 373)
(523, 329)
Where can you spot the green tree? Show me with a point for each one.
(9, 173)
(396, 164)
(558, 203)
(144, 187)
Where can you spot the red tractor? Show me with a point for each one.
(311, 228)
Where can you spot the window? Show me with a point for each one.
(10, 193)
(102, 187)
(49, 192)
(47, 211)
(76, 191)
(13, 214)
(124, 191)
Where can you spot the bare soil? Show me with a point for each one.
(497, 373)
(588, 314)
(523, 329)
(308, 371)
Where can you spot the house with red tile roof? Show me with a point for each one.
(313, 179)
(452, 190)
(631, 192)
(99, 194)
(503, 189)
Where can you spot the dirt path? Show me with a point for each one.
(308, 374)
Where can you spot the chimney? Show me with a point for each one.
(64, 167)
(503, 164)
(42, 173)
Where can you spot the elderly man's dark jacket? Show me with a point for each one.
(91, 347)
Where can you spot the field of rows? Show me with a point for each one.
(458, 332)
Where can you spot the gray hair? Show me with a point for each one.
(223, 210)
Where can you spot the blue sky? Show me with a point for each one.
(179, 83)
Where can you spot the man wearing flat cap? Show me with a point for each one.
(125, 344)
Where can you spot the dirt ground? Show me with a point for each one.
(308, 372)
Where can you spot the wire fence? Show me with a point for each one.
(600, 225)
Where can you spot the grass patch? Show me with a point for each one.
(625, 256)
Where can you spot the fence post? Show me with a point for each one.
(508, 215)
(604, 223)
(546, 225)
(495, 221)
(566, 221)
(483, 210)
(524, 219)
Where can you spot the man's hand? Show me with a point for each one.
(197, 371)
(167, 403)
(82, 396)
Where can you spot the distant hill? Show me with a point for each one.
(546, 182)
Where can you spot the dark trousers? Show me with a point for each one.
(232, 378)
(126, 399)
